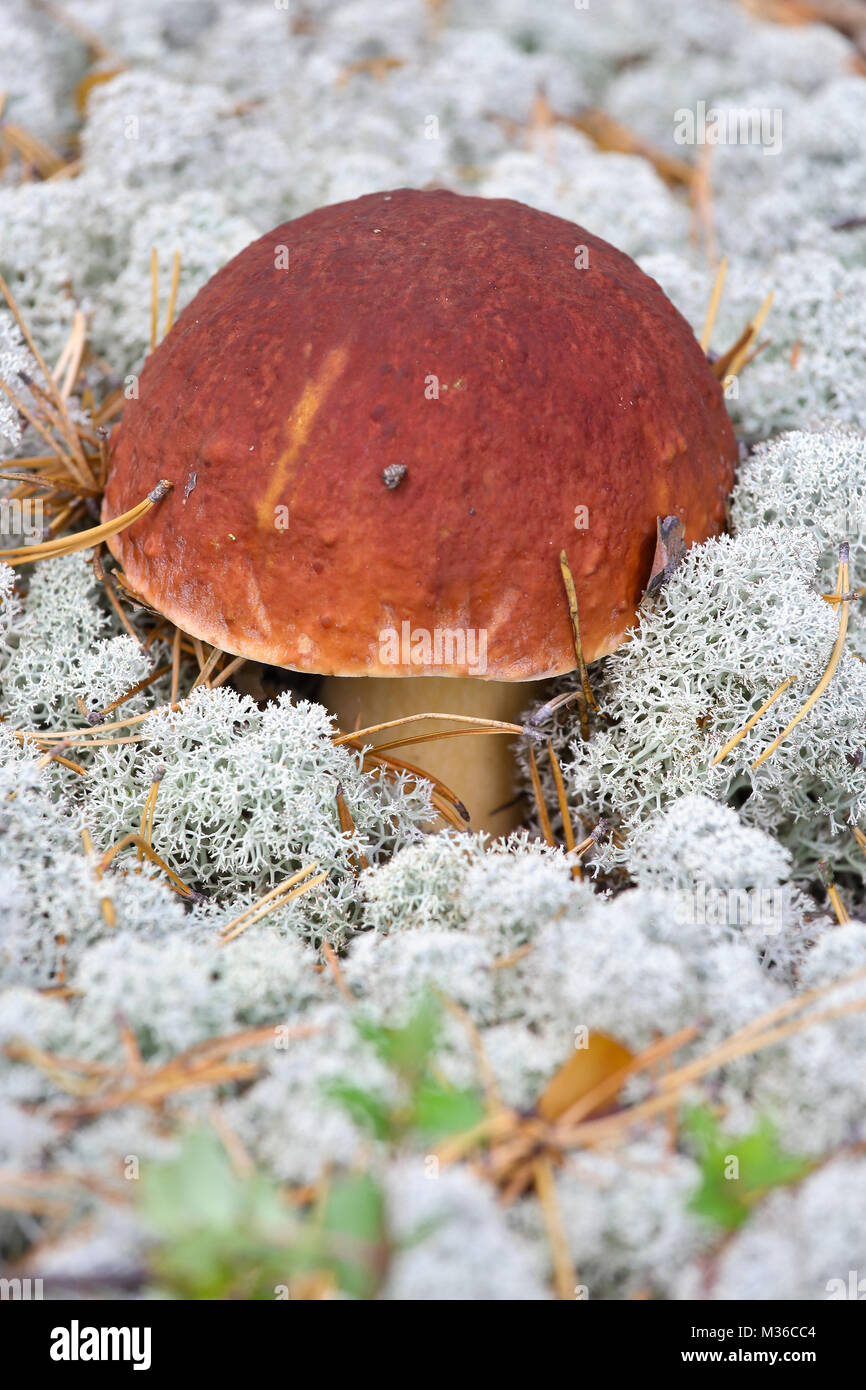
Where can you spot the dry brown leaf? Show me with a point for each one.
(587, 1068)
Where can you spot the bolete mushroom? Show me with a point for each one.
(384, 421)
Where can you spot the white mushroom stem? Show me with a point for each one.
(478, 767)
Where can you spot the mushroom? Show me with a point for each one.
(384, 421)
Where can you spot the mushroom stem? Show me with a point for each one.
(479, 768)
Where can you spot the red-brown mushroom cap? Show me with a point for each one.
(536, 403)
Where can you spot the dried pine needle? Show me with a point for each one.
(334, 966)
(172, 294)
(176, 882)
(490, 724)
(132, 692)
(228, 671)
(835, 658)
(839, 908)
(567, 827)
(571, 595)
(593, 838)
(503, 962)
(147, 815)
(276, 897)
(175, 666)
(485, 1066)
(85, 540)
(447, 802)
(564, 1273)
(730, 362)
(713, 307)
(741, 355)
(208, 668)
(543, 817)
(438, 736)
(741, 733)
(347, 825)
(106, 906)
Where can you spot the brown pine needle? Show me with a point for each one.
(435, 738)
(203, 1064)
(110, 590)
(741, 733)
(69, 363)
(544, 712)
(91, 742)
(46, 736)
(28, 338)
(571, 594)
(843, 597)
(703, 219)
(147, 815)
(543, 817)
(835, 658)
(564, 1273)
(32, 150)
(592, 838)
(172, 294)
(839, 908)
(347, 825)
(32, 419)
(75, 461)
(175, 666)
(731, 361)
(447, 803)
(485, 1066)
(334, 966)
(106, 906)
(842, 914)
(758, 320)
(150, 853)
(67, 514)
(58, 418)
(610, 134)
(131, 1051)
(85, 540)
(859, 837)
(503, 962)
(134, 690)
(492, 724)
(240, 1160)
(34, 461)
(713, 307)
(73, 767)
(228, 671)
(55, 756)
(204, 675)
(276, 897)
(567, 827)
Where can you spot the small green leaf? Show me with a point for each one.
(407, 1050)
(737, 1170)
(356, 1240)
(368, 1110)
(440, 1110)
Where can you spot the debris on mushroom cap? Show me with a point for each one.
(546, 395)
(393, 475)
